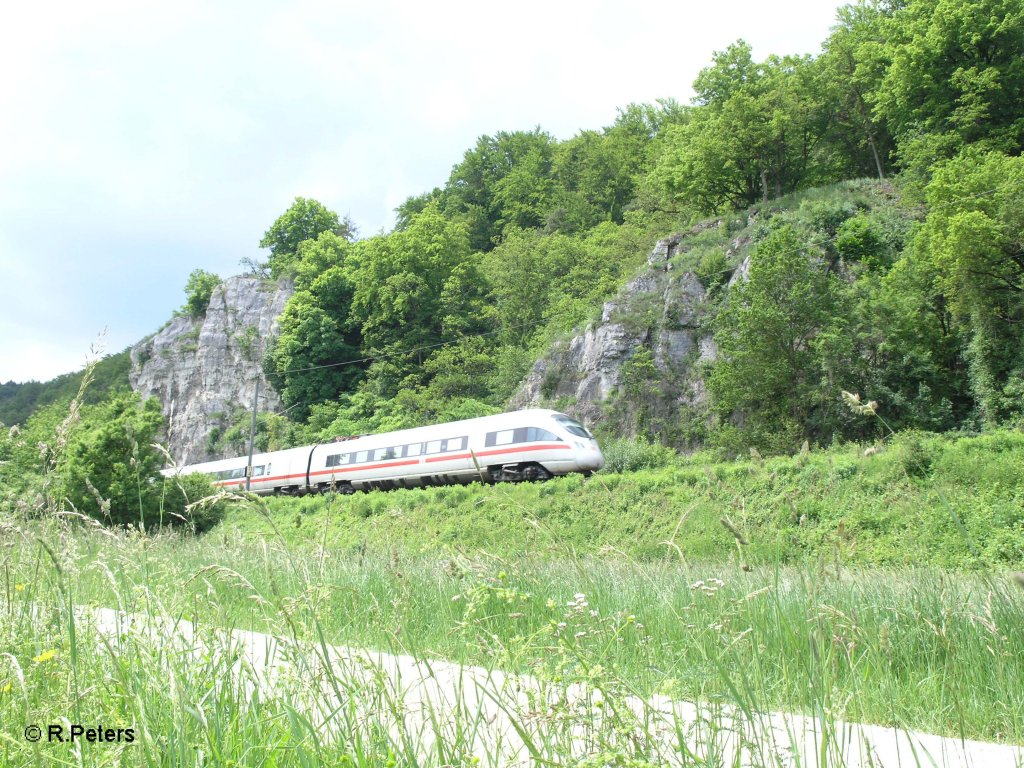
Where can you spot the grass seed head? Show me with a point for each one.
(730, 526)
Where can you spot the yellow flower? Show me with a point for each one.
(6, 688)
(19, 587)
(44, 657)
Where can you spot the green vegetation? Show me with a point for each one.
(99, 461)
(198, 290)
(19, 401)
(907, 290)
(906, 647)
(305, 220)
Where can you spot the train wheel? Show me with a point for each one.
(534, 472)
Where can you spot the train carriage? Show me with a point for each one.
(532, 444)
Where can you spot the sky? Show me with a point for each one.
(142, 140)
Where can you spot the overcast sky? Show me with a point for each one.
(140, 140)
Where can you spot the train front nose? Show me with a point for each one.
(590, 456)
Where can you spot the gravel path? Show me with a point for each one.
(510, 719)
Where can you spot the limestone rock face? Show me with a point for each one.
(204, 370)
(660, 311)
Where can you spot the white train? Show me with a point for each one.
(523, 445)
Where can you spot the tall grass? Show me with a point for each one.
(906, 647)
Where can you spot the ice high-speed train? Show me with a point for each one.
(523, 445)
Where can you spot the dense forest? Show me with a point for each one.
(906, 287)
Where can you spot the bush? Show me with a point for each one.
(112, 471)
(860, 240)
(193, 501)
(915, 455)
(631, 454)
(198, 290)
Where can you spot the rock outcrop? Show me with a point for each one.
(204, 370)
(662, 313)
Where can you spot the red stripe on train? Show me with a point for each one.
(551, 447)
(366, 466)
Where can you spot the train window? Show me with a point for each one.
(536, 434)
(505, 437)
(414, 450)
(573, 426)
(257, 471)
(434, 446)
(339, 459)
(455, 443)
(361, 457)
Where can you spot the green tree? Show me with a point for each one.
(768, 376)
(112, 470)
(504, 181)
(317, 329)
(305, 220)
(522, 272)
(956, 77)
(852, 66)
(415, 289)
(972, 236)
(753, 135)
(198, 290)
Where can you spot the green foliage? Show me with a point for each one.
(633, 454)
(956, 77)
(898, 506)
(307, 219)
(914, 453)
(852, 65)
(317, 329)
(751, 136)
(400, 281)
(19, 401)
(102, 462)
(859, 240)
(529, 236)
(713, 269)
(112, 470)
(198, 290)
(768, 375)
(971, 238)
(504, 181)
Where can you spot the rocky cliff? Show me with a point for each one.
(204, 370)
(641, 365)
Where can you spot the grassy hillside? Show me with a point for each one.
(923, 500)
